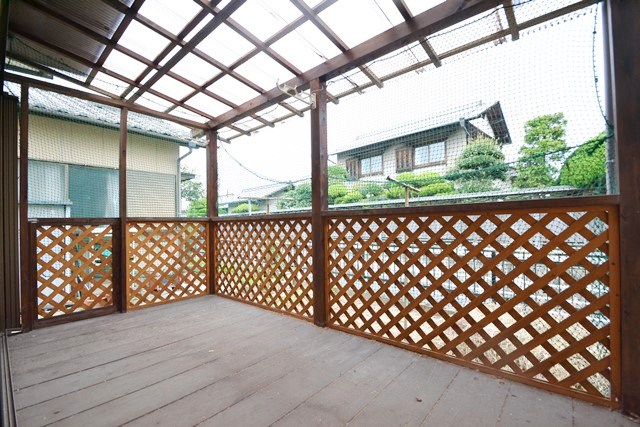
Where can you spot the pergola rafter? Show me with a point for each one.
(408, 16)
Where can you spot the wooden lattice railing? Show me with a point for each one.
(528, 294)
(73, 268)
(166, 261)
(266, 261)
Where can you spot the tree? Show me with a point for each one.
(197, 208)
(191, 189)
(480, 163)
(337, 173)
(298, 196)
(544, 145)
(586, 167)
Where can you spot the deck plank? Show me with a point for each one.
(213, 361)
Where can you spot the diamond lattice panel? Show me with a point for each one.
(523, 293)
(266, 262)
(74, 268)
(166, 261)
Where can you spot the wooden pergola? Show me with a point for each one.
(83, 39)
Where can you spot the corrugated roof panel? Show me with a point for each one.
(195, 69)
(170, 14)
(306, 47)
(225, 45)
(264, 71)
(264, 18)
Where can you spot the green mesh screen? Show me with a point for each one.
(165, 169)
(73, 157)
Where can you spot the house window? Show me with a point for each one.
(430, 154)
(404, 159)
(371, 166)
(353, 168)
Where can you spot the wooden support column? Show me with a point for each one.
(27, 302)
(212, 202)
(319, 183)
(9, 299)
(624, 32)
(122, 259)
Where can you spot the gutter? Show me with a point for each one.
(179, 180)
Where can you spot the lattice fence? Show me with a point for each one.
(531, 295)
(166, 261)
(74, 268)
(266, 262)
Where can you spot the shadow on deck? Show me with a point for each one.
(214, 361)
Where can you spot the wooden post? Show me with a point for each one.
(319, 203)
(27, 306)
(212, 203)
(624, 32)
(122, 259)
(9, 267)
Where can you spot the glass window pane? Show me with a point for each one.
(436, 152)
(365, 166)
(376, 164)
(422, 155)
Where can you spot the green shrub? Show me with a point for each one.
(475, 186)
(336, 191)
(352, 196)
(369, 189)
(395, 192)
(337, 173)
(445, 187)
(241, 208)
(586, 167)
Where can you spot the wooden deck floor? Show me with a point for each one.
(212, 361)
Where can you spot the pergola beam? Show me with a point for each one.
(332, 36)
(218, 19)
(408, 16)
(438, 18)
(511, 19)
(34, 83)
(115, 38)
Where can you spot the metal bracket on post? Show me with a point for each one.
(293, 92)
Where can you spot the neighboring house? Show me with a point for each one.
(74, 156)
(432, 144)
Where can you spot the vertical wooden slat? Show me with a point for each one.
(319, 203)
(25, 278)
(625, 75)
(4, 31)
(212, 204)
(121, 263)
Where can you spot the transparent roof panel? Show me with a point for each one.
(206, 103)
(264, 71)
(195, 69)
(149, 100)
(225, 45)
(172, 87)
(416, 7)
(264, 18)
(110, 84)
(170, 14)
(124, 64)
(232, 90)
(143, 41)
(187, 114)
(370, 17)
(306, 47)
